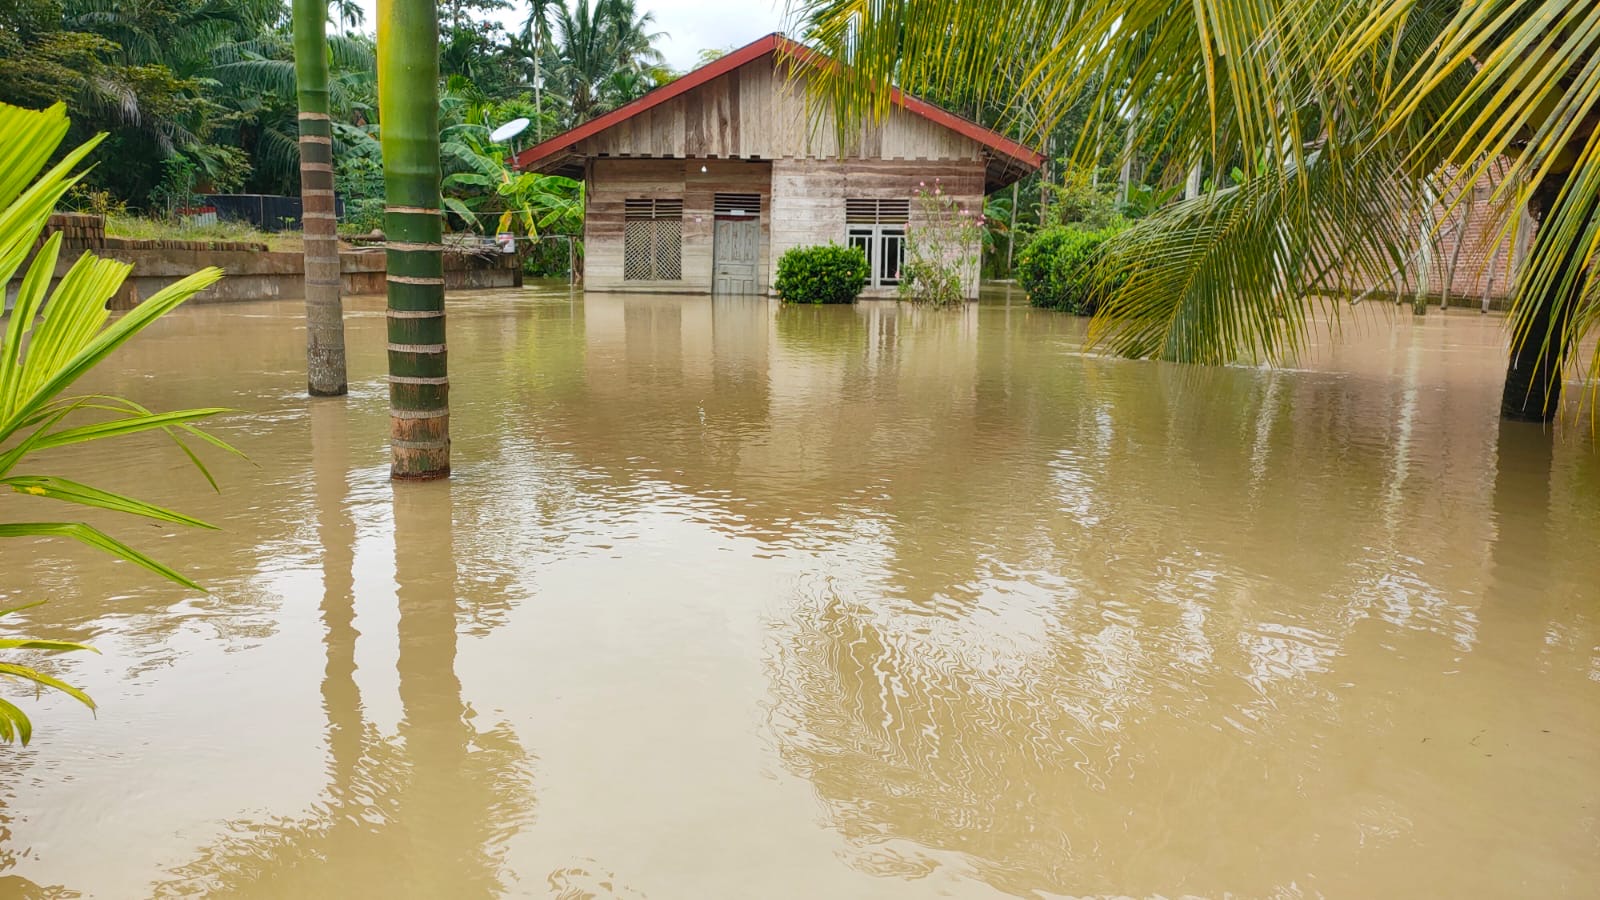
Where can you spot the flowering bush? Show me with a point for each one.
(941, 247)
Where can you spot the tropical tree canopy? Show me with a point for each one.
(198, 96)
(1344, 117)
(604, 56)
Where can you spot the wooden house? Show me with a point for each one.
(700, 185)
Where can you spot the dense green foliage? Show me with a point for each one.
(1058, 268)
(827, 273)
(198, 96)
(551, 257)
(485, 194)
(52, 338)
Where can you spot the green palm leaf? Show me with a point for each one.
(52, 339)
(14, 723)
(1357, 106)
(74, 492)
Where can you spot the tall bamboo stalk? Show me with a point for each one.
(419, 387)
(325, 369)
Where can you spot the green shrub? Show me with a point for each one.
(362, 217)
(548, 258)
(1057, 268)
(826, 273)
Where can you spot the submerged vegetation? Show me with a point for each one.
(53, 337)
(1058, 268)
(827, 273)
(942, 247)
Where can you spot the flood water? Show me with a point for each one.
(732, 601)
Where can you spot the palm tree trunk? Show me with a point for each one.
(447, 810)
(1427, 228)
(1464, 198)
(336, 532)
(1044, 182)
(1539, 347)
(1011, 232)
(419, 387)
(538, 100)
(325, 369)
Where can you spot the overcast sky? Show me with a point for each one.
(691, 25)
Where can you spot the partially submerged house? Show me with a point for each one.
(700, 185)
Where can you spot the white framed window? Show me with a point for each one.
(652, 240)
(878, 227)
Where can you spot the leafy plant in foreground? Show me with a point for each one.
(14, 723)
(53, 338)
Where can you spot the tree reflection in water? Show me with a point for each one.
(425, 813)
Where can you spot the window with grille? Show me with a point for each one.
(652, 240)
(878, 227)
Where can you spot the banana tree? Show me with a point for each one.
(325, 358)
(419, 384)
(53, 338)
(529, 201)
(488, 188)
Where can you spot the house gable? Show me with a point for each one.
(748, 106)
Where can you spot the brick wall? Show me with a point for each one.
(1468, 248)
(79, 231)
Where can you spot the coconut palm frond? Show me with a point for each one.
(1441, 92)
(1227, 276)
(266, 76)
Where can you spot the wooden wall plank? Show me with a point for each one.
(759, 111)
(612, 181)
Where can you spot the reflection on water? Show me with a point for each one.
(425, 813)
(728, 600)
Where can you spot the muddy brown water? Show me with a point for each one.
(728, 600)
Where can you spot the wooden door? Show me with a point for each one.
(736, 250)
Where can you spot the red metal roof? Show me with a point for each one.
(751, 52)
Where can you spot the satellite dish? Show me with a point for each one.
(509, 130)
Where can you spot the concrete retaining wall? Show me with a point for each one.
(262, 275)
(253, 272)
